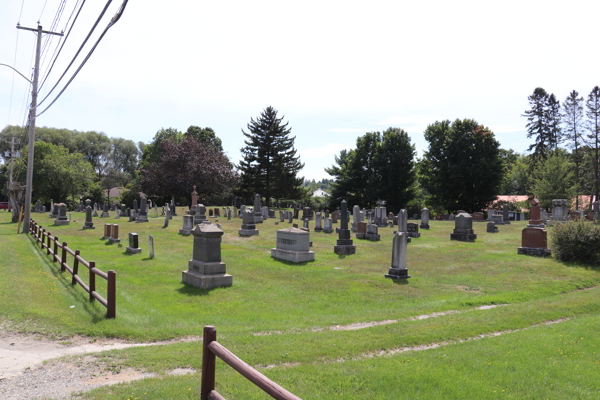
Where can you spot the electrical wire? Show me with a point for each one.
(64, 41)
(43, 8)
(12, 85)
(78, 51)
(112, 22)
(50, 38)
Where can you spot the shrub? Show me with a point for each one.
(576, 241)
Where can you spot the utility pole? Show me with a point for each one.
(32, 112)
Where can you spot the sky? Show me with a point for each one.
(334, 69)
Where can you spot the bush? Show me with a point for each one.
(577, 241)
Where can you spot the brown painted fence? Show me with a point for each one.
(52, 244)
(213, 348)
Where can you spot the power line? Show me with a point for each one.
(43, 8)
(64, 41)
(78, 51)
(55, 21)
(112, 22)
(12, 85)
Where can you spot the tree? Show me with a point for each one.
(573, 121)
(270, 164)
(206, 135)
(152, 151)
(592, 111)
(553, 179)
(516, 177)
(95, 147)
(462, 168)
(185, 164)
(371, 172)
(543, 123)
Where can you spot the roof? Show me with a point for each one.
(319, 193)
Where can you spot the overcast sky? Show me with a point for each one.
(334, 69)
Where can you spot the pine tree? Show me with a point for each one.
(270, 163)
(543, 124)
(592, 112)
(573, 121)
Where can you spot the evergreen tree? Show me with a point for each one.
(270, 164)
(592, 106)
(573, 121)
(543, 123)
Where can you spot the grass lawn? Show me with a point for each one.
(281, 315)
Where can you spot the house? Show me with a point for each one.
(320, 193)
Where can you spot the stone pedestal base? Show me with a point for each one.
(89, 227)
(258, 219)
(463, 237)
(293, 256)
(206, 275)
(531, 251)
(397, 273)
(373, 237)
(104, 215)
(248, 232)
(361, 235)
(424, 226)
(318, 229)
(185, 232)
(131, 250)
(62, 222)
(414, 235)
(131, 219)
(141, 219)
(344, 250)
(111, 241)
(327, 230)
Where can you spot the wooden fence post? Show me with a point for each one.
(208, 363)
(111, 297)
(55, 249)
(42, 238)
(63, 258)
(92, 280)
(75, 268)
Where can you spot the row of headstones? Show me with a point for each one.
(111, 232)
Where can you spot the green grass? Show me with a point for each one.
(303, 301)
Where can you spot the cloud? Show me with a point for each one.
(349, 130)
(321, 152)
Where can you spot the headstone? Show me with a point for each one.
(478, 216)
(135, 207)
(61, 218)
(335, 216)
(123, 210)
(412, 230)
(344, 243)
(114, 234)
(305, 226)
(88, 224)
(357, 217)
(264, 212)
(107, 231)
(210, 213)
(536, 218)
(328, 228)
(497, 219)
(490, 212)
(318, 226)
(505, 214)
(249, 225)
(361, 230)
(399, 248)
(173, 207)
(229, 214)
(258, 217)
(424, 218)
(143, 214)
(491, 227)
(150, 246)
(271, 213)
(451, 217)
(134, 244)
(205, 269)
(199, 214)
(439, 217)
(132, 214)
(188, 225)
(194, 197)
(290, 217)
(463, 228)
(38, 206)
(296, 213)
(373, 233)
(51, 209)
(117, 213)
(534, 242)
(281, 216)
(293, 246)
(167, 215)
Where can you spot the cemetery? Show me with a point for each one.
(286, 276)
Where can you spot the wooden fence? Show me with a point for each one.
(213, 348)
(52, 244)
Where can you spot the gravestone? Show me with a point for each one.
(117, 213)
(229, 214)
(497, 219)
(173, 207)
(281, 216)
(210, 213)
(150, 246)
(361, 230)
(107, 231)
(335, 216)
(344, 243)
(95, 214)
(439, 217)
(328, 228)
(490, 212)
(188, 225)
(136, 207)
(290, 217)
(264, 212)
(305, 226)
(491, 227)
(318, 226)
(536, 218)
(296, 212)
(451, 217)
(167, 215)
(478, 217)
(88, 224)
(61, 218)
(114, 234)
(463, 228)
(134, 244)
(249, 225)
(143, 214)
(51, 209)
(357, 217)
(199, 214)
(403, 224)
(424, 218)
(412, 229)
(105, 211)
(293, 246)
(217, 212)
(258, 218)
(534, 242)
(399, 248)
(38, 206)
(505, 214)
(271, 213)
(123, 210)
(373, 233)
(132, 214)
(205, 269)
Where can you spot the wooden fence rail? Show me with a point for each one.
(213, 348)
(52, 245)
